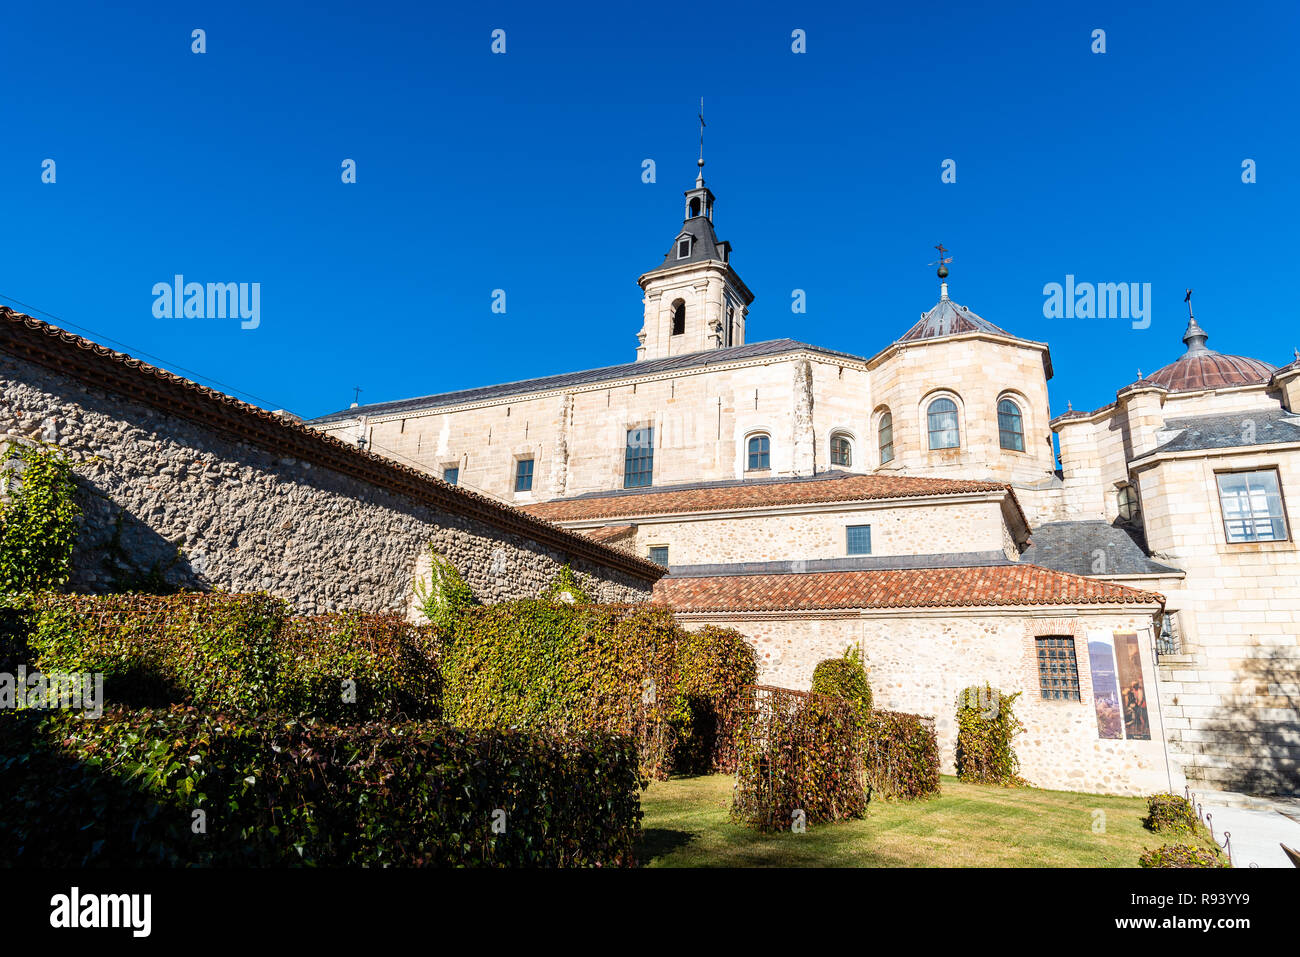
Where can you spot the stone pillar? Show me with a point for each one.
(804, 438)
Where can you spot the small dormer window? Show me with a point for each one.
(683, 247)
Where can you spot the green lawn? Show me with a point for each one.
(967, 825)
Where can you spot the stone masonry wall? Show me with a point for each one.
(920, 662)
(164, 497)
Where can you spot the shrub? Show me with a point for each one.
(1170, 812)
(844, 677)
(1182, 855)
(445, 596)
(717, 673)
(555, 667)
(900, 755)
(126, 789)
(38, 524)
(355, 667)
(798, 752)
(215, 650)
(238, 652)
(628, 669)
(986, 726)
(565, 588)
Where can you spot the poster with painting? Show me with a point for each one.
(1132, 692)
(1105, 685)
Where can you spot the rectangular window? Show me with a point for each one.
(524, 475)
(659, 555)
(859, 539)
(639, 460)
(1252, 506)
(1058, 671)
(451, 476)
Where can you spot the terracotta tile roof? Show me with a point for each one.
(992, 586)
(843, 487)
(67, 354)
(607, 533)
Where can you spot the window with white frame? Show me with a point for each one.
(1252, 506)
(945, 433)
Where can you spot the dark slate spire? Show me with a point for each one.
(697, 242)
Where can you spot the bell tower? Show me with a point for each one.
(694, 300)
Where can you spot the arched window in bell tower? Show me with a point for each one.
(694, 208)
(679, 317)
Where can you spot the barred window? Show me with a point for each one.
(1058, 671)
(659, 555)
(639, 461)
(858, 539)
(524, 475)
(944, 431)
(886, 438)
(841, 450)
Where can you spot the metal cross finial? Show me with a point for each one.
(1188, 299)
(701, 132)
(356, 390)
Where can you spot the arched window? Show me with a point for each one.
(841, 450)
(886, 433)
(679, 317)
(944, 431)
(1011, 429)
(695, 207)
(759, 453)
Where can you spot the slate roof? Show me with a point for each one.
(704, 244)
(727, 495)
(772, 347)
(32, 340)
(1231, 430)
(949, 319)
(845, 564)
(1072, 547)
(1013, 584)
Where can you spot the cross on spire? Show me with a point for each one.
(1188, 299)
(700, 176)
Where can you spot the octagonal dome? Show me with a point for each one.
(1202, 368)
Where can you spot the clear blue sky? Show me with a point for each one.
(523, 172)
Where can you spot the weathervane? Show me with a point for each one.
(942, 263)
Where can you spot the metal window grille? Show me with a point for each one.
(1252, 506)
(1058, 671)
(859, 539)
(659, 555)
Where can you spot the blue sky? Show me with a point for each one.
(522, 172)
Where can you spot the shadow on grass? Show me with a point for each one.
(658, 841)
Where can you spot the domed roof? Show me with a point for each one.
(1202, 368)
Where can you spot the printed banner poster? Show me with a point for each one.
(1132, 693)
(1105, 685)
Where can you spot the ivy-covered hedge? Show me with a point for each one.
(844, 677)
(238, 652)
(986, 725)
(550, 665)
(1183, 855)
(900, 755)
(353, 667)
(800, 761)
(38, 522)
(178, 786)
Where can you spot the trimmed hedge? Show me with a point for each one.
(844, 677)
(1171, 813)
(627, 669)
(178, 786)
(238, 652)
(986, 725)
(1183, 855)
(798, 752)
(900, 755)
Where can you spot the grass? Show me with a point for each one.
(967, 825)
